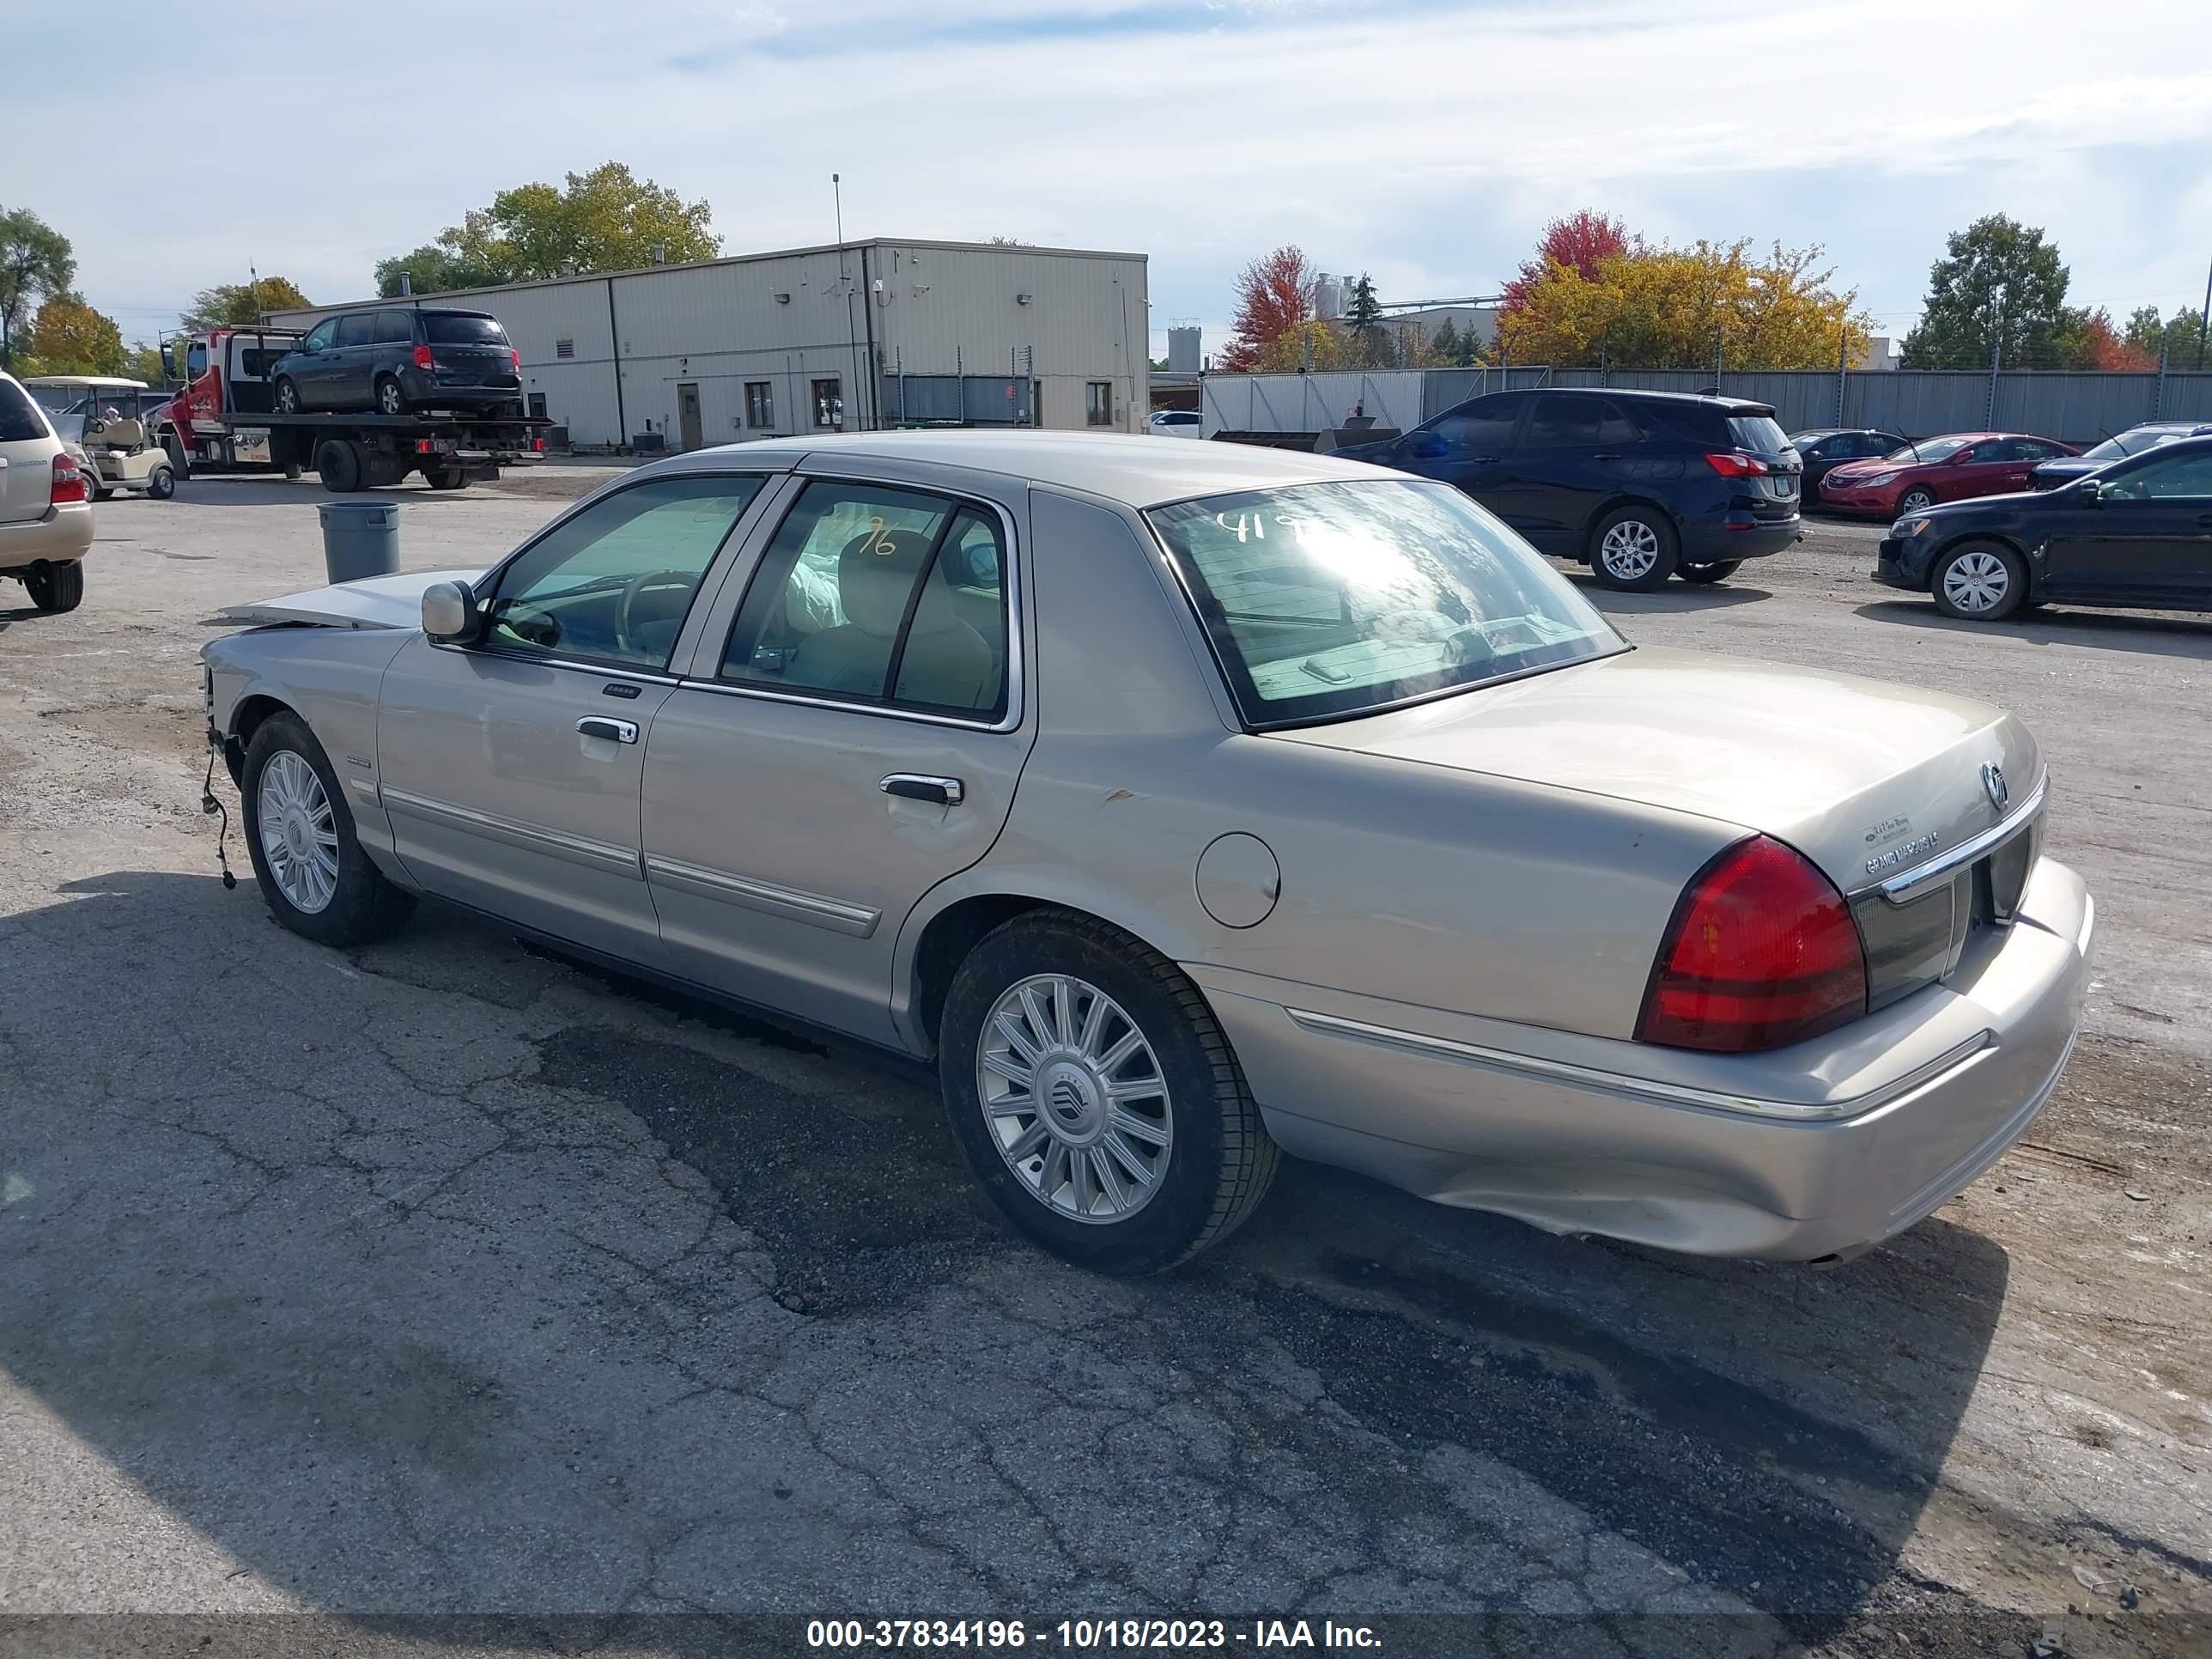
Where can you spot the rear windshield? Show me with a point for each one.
(19, 420)
(1758, 435)
(1331, 600)
(445, 330)
(1932, 449)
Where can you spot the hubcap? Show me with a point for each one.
(390, 397)
(1630, 549)
(1074, 1098)
(1976, 582)
(299, 836)
(1917, 501)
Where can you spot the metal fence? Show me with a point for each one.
(1313, 402)
(2075, 407)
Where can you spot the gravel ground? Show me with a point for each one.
(346, 1297)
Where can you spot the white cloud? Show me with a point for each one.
(1424, 142)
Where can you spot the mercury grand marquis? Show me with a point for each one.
(1186, 805)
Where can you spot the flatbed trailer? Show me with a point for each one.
(224, 420)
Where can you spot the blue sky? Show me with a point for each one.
(1425, 142)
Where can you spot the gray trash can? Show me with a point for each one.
(360, 539)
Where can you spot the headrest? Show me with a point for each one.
(875, 577)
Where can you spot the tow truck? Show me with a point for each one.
(225, 420)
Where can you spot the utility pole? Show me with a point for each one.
(1997, 358)
(1843, 364)
(2204, 318)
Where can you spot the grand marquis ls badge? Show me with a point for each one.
(1993, 786)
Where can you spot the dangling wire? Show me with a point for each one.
(210, 806)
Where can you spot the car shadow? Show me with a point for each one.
(2112, 630)
(395, 1276)
(1675, 596)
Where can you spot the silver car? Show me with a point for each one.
(1190, 804)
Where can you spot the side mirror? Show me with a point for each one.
(2091, 489)
(449, 611)
(1960, 458)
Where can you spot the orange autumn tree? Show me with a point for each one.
(1275, 301)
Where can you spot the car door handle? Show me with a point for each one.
(912, 786)
(598, 726)
(1605, 458)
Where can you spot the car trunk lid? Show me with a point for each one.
(1868, 780)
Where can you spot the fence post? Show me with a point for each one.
(2158, 397)
(1843, 367)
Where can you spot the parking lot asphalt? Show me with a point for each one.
(446, 1278)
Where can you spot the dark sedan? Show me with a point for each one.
(397, 361)
(2137, 534)
(1824, 447)
(2134, 441)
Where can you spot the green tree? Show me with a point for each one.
(2178, 336)
(145, 363)
(2001, 282)
(607, 219)
(235, 304)
(1370, 343)
(67, 336)
(36, 262)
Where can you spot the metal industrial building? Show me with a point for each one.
(775, 345)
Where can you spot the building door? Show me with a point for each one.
(687, 416)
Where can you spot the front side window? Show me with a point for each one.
(612, 584)
(319, 339)
(1334, 599)
(1098, 403)
(760, 402)
(1484, 427)
(2183, 477)
(878, 595)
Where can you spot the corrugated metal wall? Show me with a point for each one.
(1310, 403)
(720, 327)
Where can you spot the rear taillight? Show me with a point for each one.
(422, 359)
(514, 358)
(1734, 464)
(1762, 951)
(69, 483)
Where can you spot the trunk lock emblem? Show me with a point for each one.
(1993, 786)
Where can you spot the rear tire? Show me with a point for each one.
(445, 477)
(288, 396)
(1633, 550)
(53, 588)
(160, 484)
(390, 399)
(321, 884)
(174, 446)
(1979, 581)
(1719, 571)
(1132, 1182)
(338, 463)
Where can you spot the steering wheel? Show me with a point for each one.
(637, 585)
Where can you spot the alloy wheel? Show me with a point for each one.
(1629, 550)
(1976, 582)
(1074, 1098)
(299, 834)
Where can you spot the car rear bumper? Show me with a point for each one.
(64, 534)
(1739, 536)
(433, 392)
(1807, 1153)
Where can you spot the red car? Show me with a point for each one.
(1946, 469)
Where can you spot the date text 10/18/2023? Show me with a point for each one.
(1087, 1635)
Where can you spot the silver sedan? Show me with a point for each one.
(1190, 804)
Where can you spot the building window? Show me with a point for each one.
(829, 404)
(760, 402)
(564, 348)
(537, 405)
(1098, 404)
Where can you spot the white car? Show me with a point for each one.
(1177, 423)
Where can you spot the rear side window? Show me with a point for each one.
(357, 330)
(393, 328)
(1760, 435)
(19, 420)
(447, 329)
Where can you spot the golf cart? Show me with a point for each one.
(109, 421)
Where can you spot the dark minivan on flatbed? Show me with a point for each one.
(1637, 485)
(398, 360)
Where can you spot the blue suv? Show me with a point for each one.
(398, 360)
(1638, 485)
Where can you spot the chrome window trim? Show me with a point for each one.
(1017, 618)
(1663, 1094)
(639, 675)
(536, 838)
(856, 920)
(1903, 888)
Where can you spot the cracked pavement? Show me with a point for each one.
(449, 1278)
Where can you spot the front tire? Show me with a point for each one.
(1719, 571)
(1633, 550)
(288, 396)
(1979, 581)
(1097, 1098)
(445, 477)
(313, 873)
(55, 588)
(160, 484)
